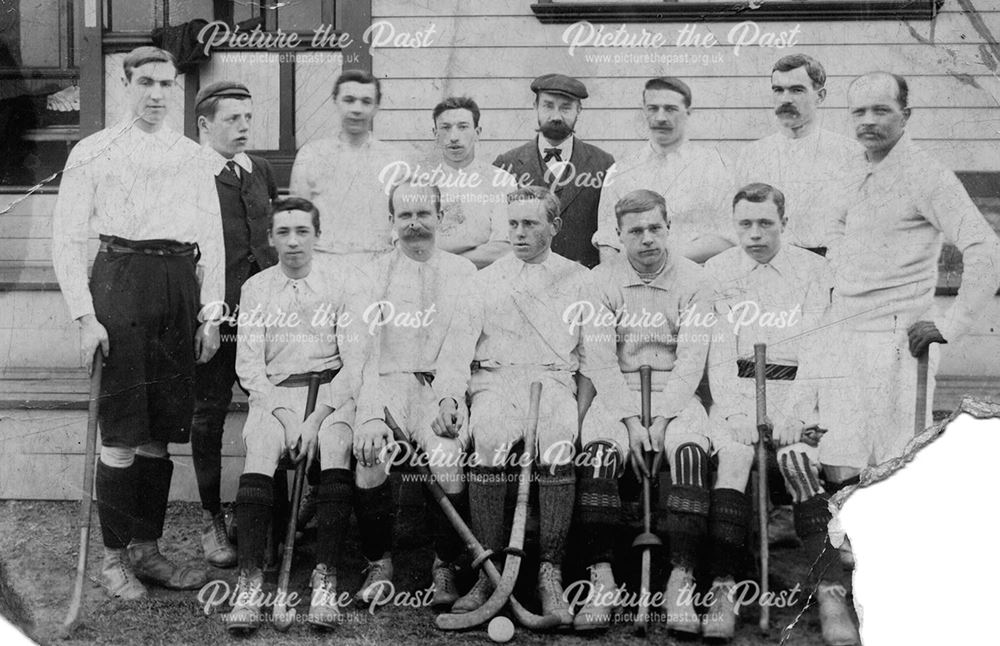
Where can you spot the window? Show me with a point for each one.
(39, 92)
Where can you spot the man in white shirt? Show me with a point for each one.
(522, 330)
(767, 292)
(148, 193)
(884, 268)
(694, 180)
(294, 323)
(345, 175)
(473, 192)
(412, 385)
(812, 166)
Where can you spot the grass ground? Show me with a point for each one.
(38, 543)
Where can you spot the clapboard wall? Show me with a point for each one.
(492, 49)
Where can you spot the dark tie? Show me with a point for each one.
(231, 165)
(552, 153)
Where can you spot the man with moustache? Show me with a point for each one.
(651, 281)
(882, 316)
(558, 160)
(245, 185)
(812, 166)
(343, 174)
(768, 292)
(473, 192)
(295, 325)
(147, 191)
(411, 383)
(670, 165)
(522, 330)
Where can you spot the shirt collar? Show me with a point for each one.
(651, 154)
(164, 134)
(565, 148)
(219, 162)
(780, 262)
(896, 156)
(662, 281)
(314, 281)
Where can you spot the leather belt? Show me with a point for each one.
(773, 371)
(303, 378)
(114, 244)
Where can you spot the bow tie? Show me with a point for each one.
(552, 153)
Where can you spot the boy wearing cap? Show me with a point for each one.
(558, 160)
(245, 185)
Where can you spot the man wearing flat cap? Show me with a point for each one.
(245, 185)
(558, 160)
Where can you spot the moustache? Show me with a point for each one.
(787, 109)
(868, 131)
(415, 233)
(557, 130)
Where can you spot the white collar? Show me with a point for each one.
(219, 162)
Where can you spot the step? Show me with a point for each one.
(43, 426)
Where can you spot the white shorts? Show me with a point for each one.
(413, 407)
(499, 415)
(867, 397)
(600, 425)
(264, 437)
(779, 397)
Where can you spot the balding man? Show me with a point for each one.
(882, 315)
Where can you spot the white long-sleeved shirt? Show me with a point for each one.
(812, 172)
(293, 326)
(343, 182)
(777, 303)
(413, 318)
(885, 263)
(695, 181)
(662, 324)
(124, 182)
(521, 316)
(473, 204)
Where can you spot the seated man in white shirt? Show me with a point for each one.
(410, 385)
(520, 334)
(292, 325)
(771, 292)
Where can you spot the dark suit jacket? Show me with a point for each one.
(578, 202)
(245, 206)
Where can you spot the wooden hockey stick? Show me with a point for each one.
(647, 539)
(86, 497)
(920, 415)
(512, 565)
(284, 615)
(763, 440)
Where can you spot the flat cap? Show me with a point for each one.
(560, 84)
(222, 89)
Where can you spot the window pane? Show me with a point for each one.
(39, 99)
(300, 16)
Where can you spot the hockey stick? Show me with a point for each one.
(86, 498)
(284, 615)
(479, 554)
(647, 539)
(920, 416)
(512, 565)
(763, 440)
